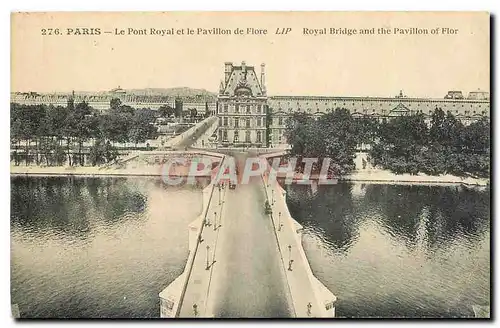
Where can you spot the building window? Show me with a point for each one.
(259, 136)
(225, 108)
(248, 122)
(259, 108)
(280, 121)
(225, 121)
(236, 136)
(237, 108)
(247, 136)
(259, 121)
(224, 135)
(248, 109)
(236, 122)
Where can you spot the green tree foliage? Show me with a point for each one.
(407, 145)
(141, 128)
(48, 135)
(333, 135)
(404, 144)
(166, 111)
(115, 103)
(193, 113)
(102, 152)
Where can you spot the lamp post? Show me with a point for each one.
(215, 221)
(219, 195)
(273, 195)
(208, 255)
(290, 261)
(279, 221)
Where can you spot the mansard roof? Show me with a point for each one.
(243, 81)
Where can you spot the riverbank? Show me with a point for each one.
(384, 176)
(387, 177)
(92, 171)
(370, 176)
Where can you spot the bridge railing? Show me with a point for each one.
(189, 265)
(320, 299)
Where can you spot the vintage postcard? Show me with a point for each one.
(250, 165)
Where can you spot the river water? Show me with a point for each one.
(97, 247)
(397, 250)
(105, 247)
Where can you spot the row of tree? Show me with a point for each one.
(404, 144)
(55, 135)
(177, 112)
(407, 144)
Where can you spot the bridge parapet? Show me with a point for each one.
(187, 295)
(309, 296)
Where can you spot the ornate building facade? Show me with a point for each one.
(242, 107)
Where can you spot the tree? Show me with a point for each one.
(366, 130)
(166, 111)
(207, 112)
(115, 103)
(178, 107)
(332, 136)
(85, 127)
(406, 145)
(437, 133)
(115, 127)
(193, 112)
(141, 128)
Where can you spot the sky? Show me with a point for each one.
(296, 63)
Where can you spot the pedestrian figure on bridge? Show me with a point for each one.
(309, 306)
(195, 310)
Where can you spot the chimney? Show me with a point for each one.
(263, 77)
(243, 67)
(228, 67)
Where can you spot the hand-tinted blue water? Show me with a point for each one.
(97, 247)
(398, 251)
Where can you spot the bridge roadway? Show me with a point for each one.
(248, 279)
(197, 133)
